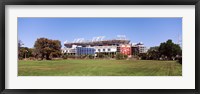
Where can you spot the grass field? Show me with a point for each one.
(99, 68)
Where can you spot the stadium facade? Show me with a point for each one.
(107, 47)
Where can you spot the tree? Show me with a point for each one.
(153, 53)
(25, 52)
(20, 44)
(143, 56)
(169, 49)
(45, 47)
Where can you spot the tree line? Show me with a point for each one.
(165, 51)
(43, 49)
(47, 49)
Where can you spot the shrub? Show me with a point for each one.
(143, 56)
(20, 58)
(91, 56)
(71, 56)
(100, 55)
(65, 56)
(125, 56)
(120, 56)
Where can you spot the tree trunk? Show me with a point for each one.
(42, 56)
(47, 57)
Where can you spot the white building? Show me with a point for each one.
(141, 47)
(69, 50)
(105, 49)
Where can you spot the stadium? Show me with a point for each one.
(108, 47)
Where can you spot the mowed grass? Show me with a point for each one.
(99, 68)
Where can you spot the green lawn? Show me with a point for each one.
(99, 68)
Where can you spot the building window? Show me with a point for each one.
(108, 49)
(104, 50)
(99, 50)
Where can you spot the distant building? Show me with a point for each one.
(135, 50)
(69, 51)
(125, 49)
(85, 51)
(107, 47)
(141, 48)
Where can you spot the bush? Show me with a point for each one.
(20, 58)
(143, 56)
(65, 56)
(120, 56)
(100, 55)
(71, 56)
(125, 56)
(91, 56)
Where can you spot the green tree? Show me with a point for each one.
(19, 46)
(153, 53)
(143, 56)
(45, 47)
(169, 49)
(25, 52)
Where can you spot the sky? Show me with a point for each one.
(150, 31)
